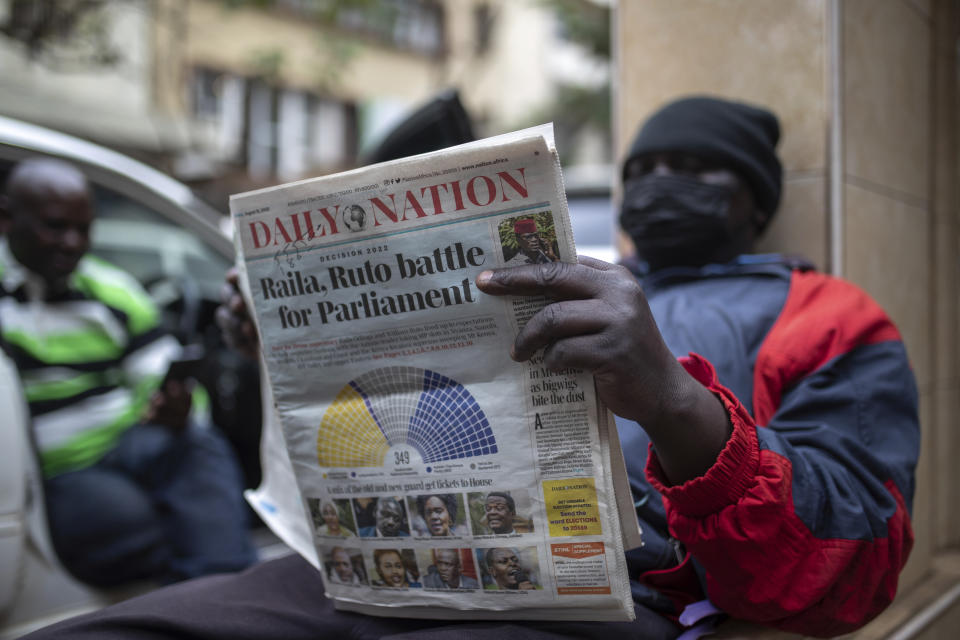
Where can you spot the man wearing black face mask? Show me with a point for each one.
(767, 414)
(812, 364)
(701, 182)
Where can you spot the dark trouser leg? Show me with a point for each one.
(104, 527)
(196, 486)
(160, 505)
(284, 599)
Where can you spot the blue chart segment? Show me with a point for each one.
(423, 409)
(449, 423)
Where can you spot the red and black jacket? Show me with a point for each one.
(803, 522)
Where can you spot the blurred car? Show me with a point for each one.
(178, 247)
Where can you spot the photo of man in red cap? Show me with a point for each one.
(533, 247)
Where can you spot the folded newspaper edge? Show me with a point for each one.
(571, 563)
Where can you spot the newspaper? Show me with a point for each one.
(424, 472)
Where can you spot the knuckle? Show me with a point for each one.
(622, 276)
(613, 280)
(222, 318)
(506, 277)
(549, 273)
(609, 346)
(627, 286)
(621, 271)
(552, 317)
(555, 355)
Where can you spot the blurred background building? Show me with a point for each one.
(228, 95)
(232, 95)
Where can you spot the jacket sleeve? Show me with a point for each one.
(803, 523)
(146, 347)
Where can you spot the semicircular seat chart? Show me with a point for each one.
(430, 412)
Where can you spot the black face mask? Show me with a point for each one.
(677, 220)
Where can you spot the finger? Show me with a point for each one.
(557, 280)
(557, 321)
(154, 408)
(227, 291)
(231, 285)
(594, 263)
(223, 318)
(232, 299)
(587, 352)
(237, 304)
(233, 323)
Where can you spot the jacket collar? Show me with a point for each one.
(772, 264)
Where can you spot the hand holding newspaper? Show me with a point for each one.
(415, 463)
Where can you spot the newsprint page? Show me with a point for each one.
(433, 475)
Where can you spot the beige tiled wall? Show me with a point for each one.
(898, 131)
(887, 253)
(770, 53)
(801, 225)
(946, 270)
(886, 96)
(895, 85)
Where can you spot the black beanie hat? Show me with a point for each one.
(737, 135)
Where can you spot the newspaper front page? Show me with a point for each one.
(438, 477)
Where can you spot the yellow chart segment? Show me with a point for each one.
(349, 436)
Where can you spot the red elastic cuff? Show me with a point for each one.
(733, 472)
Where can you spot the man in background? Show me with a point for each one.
(134, 489)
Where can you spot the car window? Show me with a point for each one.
(150, 246)
(111, 205)
(208, 269)
(141, 265)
